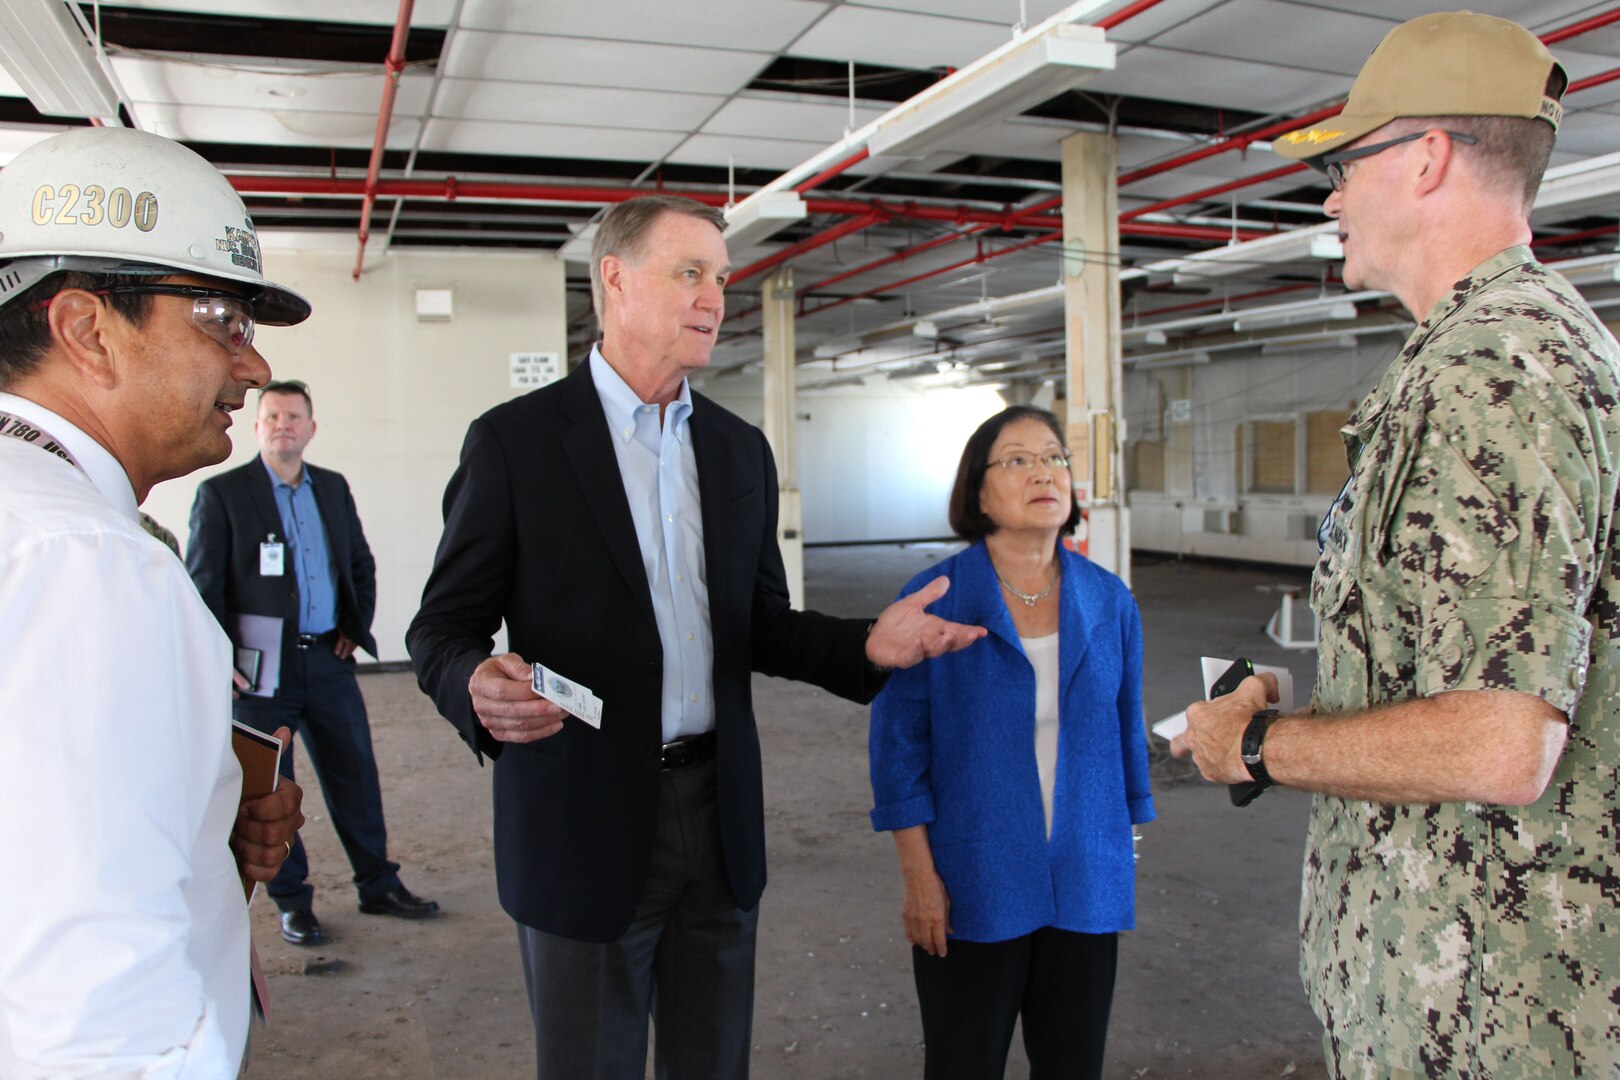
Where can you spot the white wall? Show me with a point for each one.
(1200, 457)
(875, 462)
(393, 396)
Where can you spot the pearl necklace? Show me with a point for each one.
(1029, 599)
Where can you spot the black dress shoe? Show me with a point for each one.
(301, 928)
(400, 901)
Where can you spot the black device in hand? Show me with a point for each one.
(1247, 791)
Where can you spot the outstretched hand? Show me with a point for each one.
(905, 634)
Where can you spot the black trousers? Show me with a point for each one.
(1061, 984)
(687, 960)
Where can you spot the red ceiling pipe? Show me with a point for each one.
(1575, 237)
(809, 243)
(822, 177)
(1209, 193)
(1190, 232)
(893, 285)
(385, 115)
(1236, 142)
(1126, 13)
(1582, 27)
(1594, 80)
(899, 256)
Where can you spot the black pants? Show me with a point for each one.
(1061, 983)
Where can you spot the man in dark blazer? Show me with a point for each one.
(281, 538)
(624, 529)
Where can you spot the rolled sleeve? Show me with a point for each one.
(900, 748)
(1506, 644)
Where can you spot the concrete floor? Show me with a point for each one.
(1207, 985)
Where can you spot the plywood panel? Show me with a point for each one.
(1325, 464)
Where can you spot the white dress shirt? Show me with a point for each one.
(659, 471)
(123, 932)
(1043, 657)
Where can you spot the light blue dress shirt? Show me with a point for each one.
(659, 471)
(307, 555)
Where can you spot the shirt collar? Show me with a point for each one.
(99, 465)
(276, 481)
(1372, 406)
(624, 409)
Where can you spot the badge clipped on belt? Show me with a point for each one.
(272, 557)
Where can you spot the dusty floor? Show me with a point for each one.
(1207, 986)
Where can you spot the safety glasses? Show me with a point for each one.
(223, 316)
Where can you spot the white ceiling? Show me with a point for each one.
(654, 84)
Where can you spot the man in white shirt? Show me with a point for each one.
(129, 289)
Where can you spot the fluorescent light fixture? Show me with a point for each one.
(761, 216)
(1595, 180)
(1156, 337)
(1041, 66)
(1294, 314)
(1308, 343)
(1327, 246)
(923, 328)
(1245, 258)
(47, 47)
(434, 305)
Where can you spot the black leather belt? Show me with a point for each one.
(688, 751)
(309, 641)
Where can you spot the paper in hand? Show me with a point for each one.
(1213, 668)
(564, 692)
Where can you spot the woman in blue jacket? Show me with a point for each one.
(1011, 773)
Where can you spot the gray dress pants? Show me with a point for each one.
(687, 960)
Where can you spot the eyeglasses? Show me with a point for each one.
(223, 316)
(1334, 164)
(1022, 463)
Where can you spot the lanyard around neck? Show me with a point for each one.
(17, 428)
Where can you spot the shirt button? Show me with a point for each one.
(669, 517)
(629, 432)
(694, 697)
(680, 577)
(691, 637)
(1577, 676)
(1451, 655)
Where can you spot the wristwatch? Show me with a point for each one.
(1253, 747)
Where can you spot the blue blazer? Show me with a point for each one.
(953, 747)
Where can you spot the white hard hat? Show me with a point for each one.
(119, 201)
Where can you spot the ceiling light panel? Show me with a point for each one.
(272, 127)
(369, 12)
(522, 58)
(545, 140)
(1317, 39)
(1235, 84)
(899, 39)
(595, 106)
(737, 24)
(776, 154)
(771, 117)
(228, 82)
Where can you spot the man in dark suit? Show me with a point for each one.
(624, 528)
(281, 538)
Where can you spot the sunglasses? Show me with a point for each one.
(1334, 164)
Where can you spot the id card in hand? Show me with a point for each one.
(564, 692)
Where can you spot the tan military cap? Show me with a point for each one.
(1447, 64)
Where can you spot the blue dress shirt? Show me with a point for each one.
(307, 554)
(660, 478)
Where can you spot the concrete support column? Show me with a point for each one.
(781, 432)
(1095, 421)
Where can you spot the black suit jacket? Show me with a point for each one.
(235, 512)
(538, 532)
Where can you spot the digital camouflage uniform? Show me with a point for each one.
(1473, 549)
